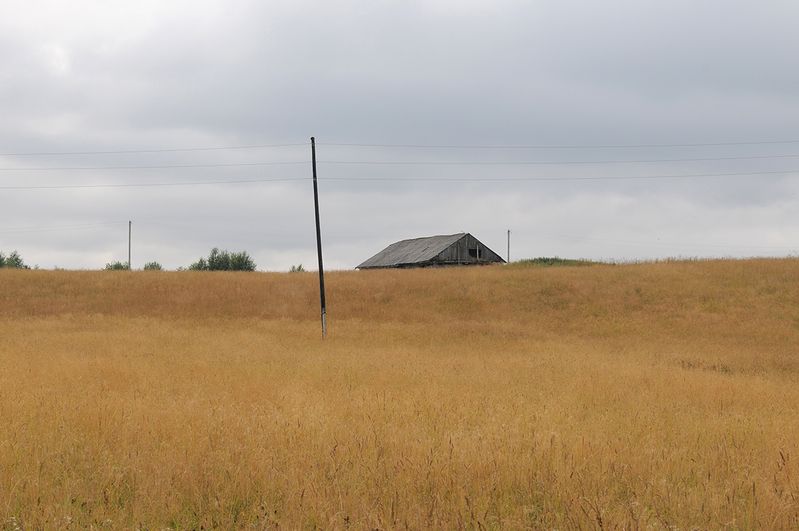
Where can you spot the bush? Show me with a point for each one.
(153, 266)
(117, 266)
(12, 261)
(554, 261)
(297, 269)
(224, 261)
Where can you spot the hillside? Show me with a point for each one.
(638, 395)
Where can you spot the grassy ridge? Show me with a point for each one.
(657, 394)
(553, 261)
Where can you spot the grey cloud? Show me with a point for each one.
(118, 76)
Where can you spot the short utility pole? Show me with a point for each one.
(130, 231)
(508, 245)
(319, 241)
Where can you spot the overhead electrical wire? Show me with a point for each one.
(138, 151)
(87, 226)
(146, 185)
(152, 221)
(613, 241)
(549, 163)
(385, 179)
(401, 163)
(159, 166)
(403, 146)
(586, 178)
(561, 146)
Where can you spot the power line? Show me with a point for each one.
(147, 185)
(404, 146)
(403, 163)
(158, 166)
(551, 163)
(554, 236)
(562, 146)
(589, 178)
(385, 179)
(152, 221)
(136, 151)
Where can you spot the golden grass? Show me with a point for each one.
(658, 395)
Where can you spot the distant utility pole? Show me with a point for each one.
(319, 241)
(130, 231)
(508, 245)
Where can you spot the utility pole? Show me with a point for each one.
(319, 241)
(508, 245)
(130, 230)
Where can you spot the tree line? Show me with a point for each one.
(217, 260)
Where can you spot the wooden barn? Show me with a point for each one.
(455, 249)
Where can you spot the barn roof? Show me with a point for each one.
(412, 251)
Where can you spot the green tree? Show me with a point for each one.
(153, 266)
(224, 261)
(116, 266)
(12, 261)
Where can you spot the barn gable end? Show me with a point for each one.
(453, 249)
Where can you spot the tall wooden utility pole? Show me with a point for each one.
(319, 241)
(130, 230)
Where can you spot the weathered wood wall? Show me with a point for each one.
(467, 250)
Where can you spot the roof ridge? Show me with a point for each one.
(433, 236)
(413, 250)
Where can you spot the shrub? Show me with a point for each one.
(554, 261)
(297, 269)
(224, 261)
(12, 261)
(153, 266)
(117, 266)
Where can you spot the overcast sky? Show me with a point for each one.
(84, 76)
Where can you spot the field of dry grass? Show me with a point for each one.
(654, 395)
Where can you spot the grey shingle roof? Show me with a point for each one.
(412, 251)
